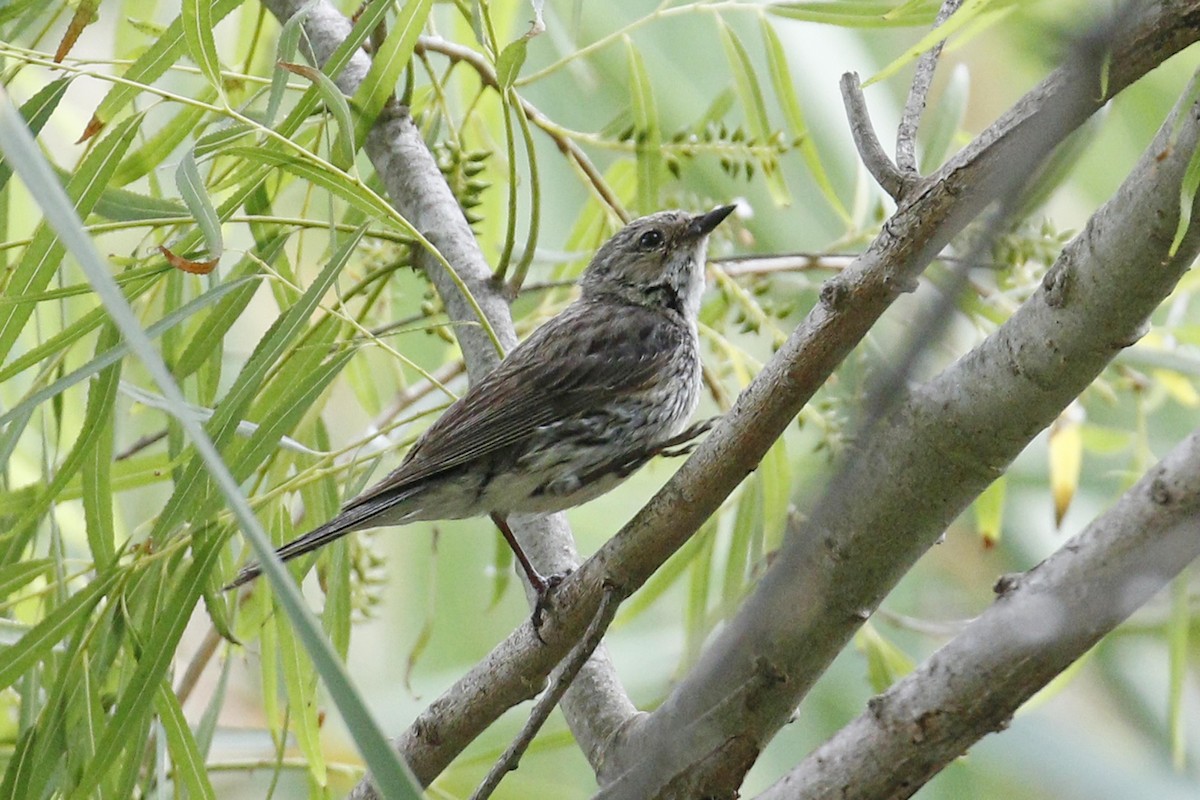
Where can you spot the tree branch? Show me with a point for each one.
(953, 436)
(914, 105)
(850, 304)
(870, 150)
(1041, 622)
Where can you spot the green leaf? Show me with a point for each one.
(159, 146)
(185, 753)
(195, 197)
(754, 106)
(508, 65)
(389, 61)
(393, 778)
(14, 576)
(42, 256)
(114, 354)
(36, 645)
(886, 663)
(975, 14)
(989, 511)
(197, 18)
(36, 111)
(860, 13)
(353, 192)
(649, 134)
(789, 101)
(162, 54)
(342, 150)
(299, 683)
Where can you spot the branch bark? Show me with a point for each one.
(1041, 622)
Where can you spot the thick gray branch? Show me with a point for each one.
(1040, 623)
(915, 472)
(851, 303)
(596, 704)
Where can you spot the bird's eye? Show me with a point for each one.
(650, 240)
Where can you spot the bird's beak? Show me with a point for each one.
(703, 224)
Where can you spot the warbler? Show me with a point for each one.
(587, 399)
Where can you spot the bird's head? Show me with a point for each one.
(657, 260)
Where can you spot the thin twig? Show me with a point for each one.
(559, 682)
(195, 668)
(914, 106)
(876, 160)
(477, 62)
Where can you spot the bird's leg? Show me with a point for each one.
(686, 438)
(542, 585)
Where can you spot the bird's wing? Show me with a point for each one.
(582, 359)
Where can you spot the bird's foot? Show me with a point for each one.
(687, 439)
(545, 599)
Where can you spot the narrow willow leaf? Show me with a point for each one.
(666, 576)
(387, 64)
(35, 645)
(886, 663)
(114, 354)
(36, 111)
(185, 753)
(227, 312)
(128, 474)
(697, 621)
(248, 383)
(162, 54)
(221, 138)
(85, 14)
(42, 256)
(649, 134)
(337, 182)
(101, 403)
(1065, 449)
(989, 511)
(789, 102)
(123, 205)
(859, 13)
(14, 576)
(976, 15)
(754, 107)
(133, 706)
(159, 146)
(245, 428)
(391, 775)
(342, 150)
(285, 51)
(299, 683)
(95, 469)
(747, 526)
(197, 18)
(195, 197)
(776, 473)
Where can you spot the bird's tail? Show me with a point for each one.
(345, 522)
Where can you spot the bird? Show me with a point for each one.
(587, 399)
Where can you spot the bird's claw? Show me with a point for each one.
(545, 599)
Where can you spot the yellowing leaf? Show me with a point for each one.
(1066, 458)
(1178, 386)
